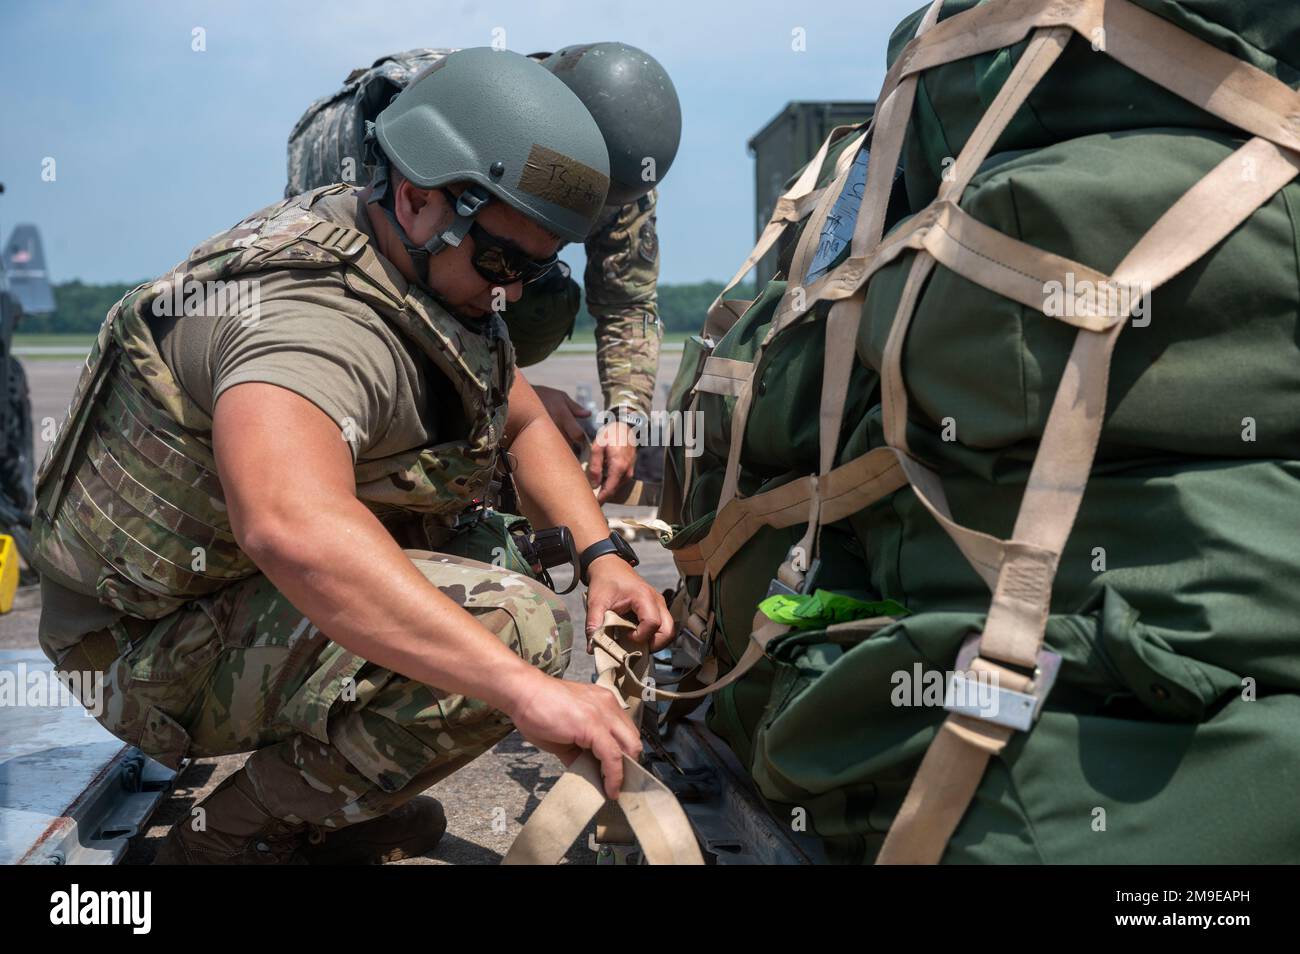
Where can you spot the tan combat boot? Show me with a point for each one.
(408, 831)
(239, 830)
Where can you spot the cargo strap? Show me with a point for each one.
(648, 807)
(791, 206)
(860, 482)
(1020, 571)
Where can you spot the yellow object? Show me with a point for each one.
(8, 572)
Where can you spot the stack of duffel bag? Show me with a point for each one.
(1094, 500)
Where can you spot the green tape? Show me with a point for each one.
(823, 608)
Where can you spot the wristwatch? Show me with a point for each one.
(627, 416)
(614, 544)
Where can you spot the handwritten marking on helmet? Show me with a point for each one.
(555, 177)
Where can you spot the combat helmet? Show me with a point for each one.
(500, 121)
(635, 104)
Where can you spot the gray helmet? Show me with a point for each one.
(635, 105)
(501, 121)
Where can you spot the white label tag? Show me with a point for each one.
(838, 230)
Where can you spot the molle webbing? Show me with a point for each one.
(132, 475)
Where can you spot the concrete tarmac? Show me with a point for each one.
(488, 800)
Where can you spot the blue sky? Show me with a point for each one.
(158, 146)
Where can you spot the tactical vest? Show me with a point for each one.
(132, 480)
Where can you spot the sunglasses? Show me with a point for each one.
(501, 261)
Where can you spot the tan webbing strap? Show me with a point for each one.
(1008, 266)
(1230, 89)
(762, 632)
(1198, 221)
(841, 329)
(983, 552)
(844, 491)
(954, 764)
(725, 376)
(791, 207)
(1218, 82)
(650, 808)
(846, 314)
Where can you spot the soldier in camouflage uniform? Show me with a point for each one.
(633, 101)
(263, 524)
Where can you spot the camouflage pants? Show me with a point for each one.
(337, 739)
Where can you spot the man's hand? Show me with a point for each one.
(613, 460)
(564, 718)
(616, 586)
(564, 411)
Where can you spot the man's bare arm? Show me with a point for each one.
(288, 478)
(553, 491)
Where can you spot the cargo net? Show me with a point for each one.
(1019, 571)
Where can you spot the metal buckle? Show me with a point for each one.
(969, 695)
(688, 649)
(777, 587)
(691, 648)
(469, 518)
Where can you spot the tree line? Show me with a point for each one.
(80, 307)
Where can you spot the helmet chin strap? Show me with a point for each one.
(468, 205)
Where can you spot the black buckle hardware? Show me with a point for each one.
(470, 517)
(543, 549)
(809, 579)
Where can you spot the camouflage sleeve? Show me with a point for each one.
(622, 271)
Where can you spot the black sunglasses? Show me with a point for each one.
(500, 260)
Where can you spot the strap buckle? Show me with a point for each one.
(470, 517)
(546, 548)
(470, 201)
(973, 694)
(694, 642)
(778, 587)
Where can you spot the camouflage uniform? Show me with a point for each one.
(621, 277)
(325, 146)
(338, 740)
(206, 657)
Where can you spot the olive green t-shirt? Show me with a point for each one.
(300, 332)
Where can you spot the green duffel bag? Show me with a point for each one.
(1213, 368)
(1206, 551)
(1086, 92)
(781, 433)
(1143, 754)
(770, 450)
(780, 442)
